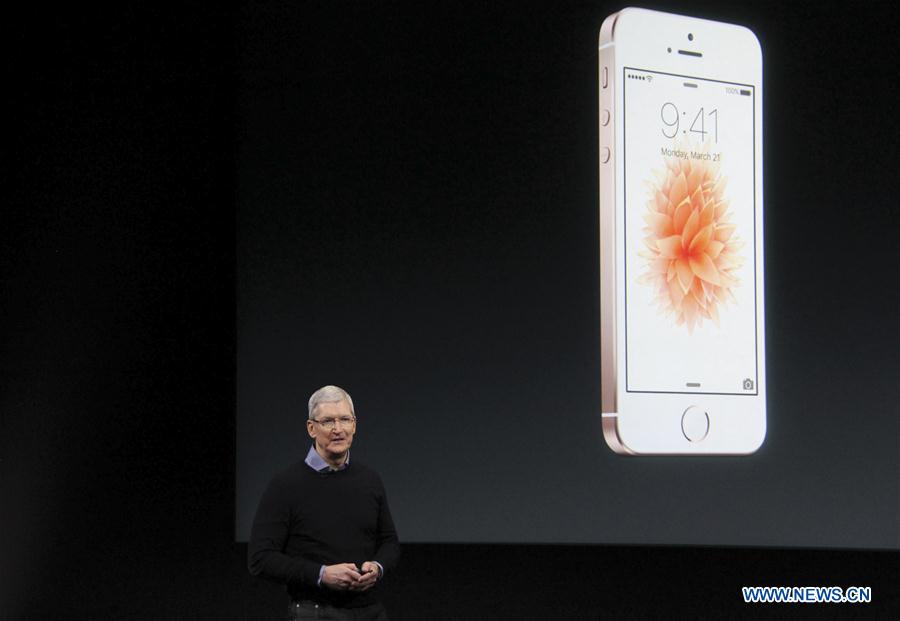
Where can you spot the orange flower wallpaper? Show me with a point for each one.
(691, 251)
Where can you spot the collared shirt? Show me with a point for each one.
(315, 461)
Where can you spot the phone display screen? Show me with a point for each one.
(690, 212)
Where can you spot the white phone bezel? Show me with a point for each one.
(642, 423)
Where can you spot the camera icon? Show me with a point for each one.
(748, 384)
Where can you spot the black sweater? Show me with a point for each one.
(307, 519)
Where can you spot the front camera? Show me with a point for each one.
(690, 36)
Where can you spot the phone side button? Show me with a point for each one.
(605, 78)
(604, 154)
(694, 424)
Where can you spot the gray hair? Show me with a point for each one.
(329, 394)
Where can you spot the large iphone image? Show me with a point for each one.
(682, 311)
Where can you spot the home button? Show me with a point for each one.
(694, 424)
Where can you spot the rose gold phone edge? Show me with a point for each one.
(607, 137)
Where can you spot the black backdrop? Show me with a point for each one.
(417, 222)
(118, 354)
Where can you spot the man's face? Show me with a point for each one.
(335, 442)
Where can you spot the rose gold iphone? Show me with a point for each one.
(681, 236)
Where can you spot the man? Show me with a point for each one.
(323, 527)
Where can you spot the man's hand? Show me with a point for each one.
(370, 575)
(342, 577)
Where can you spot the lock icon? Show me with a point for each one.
(748, 384)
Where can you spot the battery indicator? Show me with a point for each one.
(745, 92)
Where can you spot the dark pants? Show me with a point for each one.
(307, 611)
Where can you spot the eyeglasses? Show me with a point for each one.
(329, 423)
